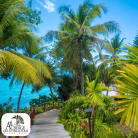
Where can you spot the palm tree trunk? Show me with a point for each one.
(107, 91)
(20, 97)
(82, 80)
(76, 83)
(51, 90)
(93, 119)
(81, 69)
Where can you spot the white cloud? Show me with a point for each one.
(38, 8)
(48, 5)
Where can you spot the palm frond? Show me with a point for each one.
(38, 65)
(70, 20)
(20, 68)
(106, 28)
(94, 90)
(11, 10)
(53, 34)
(94, 12)
(128, 89)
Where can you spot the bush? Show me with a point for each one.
(5, 108)
(74, 118)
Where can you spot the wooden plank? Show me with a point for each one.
(45, 126)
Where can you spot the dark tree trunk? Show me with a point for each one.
(107, 91)
(51, 90)
(93, 119)
(82, 80)
(20, 97)
(73, 79)
(76, 82)
(81, 67)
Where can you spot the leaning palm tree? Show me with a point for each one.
(40, 54)
(77, 37)
(13, 34)
(94, 91)
(41, 69)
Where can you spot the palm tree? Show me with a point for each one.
(94, 91)
(41, 69)
(77, 37)
(56, 78)
(115, 46)
(127, 88)
(50, 82)
(14, 34)
(135, 42)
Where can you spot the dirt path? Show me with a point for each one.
(45, 126)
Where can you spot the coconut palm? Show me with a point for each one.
(50, 82)
(135, 42)
(115, 45)
(127, 88)
(14, 31)
(77, 37)
(94, 91)
(14, 34)
(41, 69)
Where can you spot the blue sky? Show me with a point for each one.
(124, 12)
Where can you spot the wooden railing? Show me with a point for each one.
(32, 114)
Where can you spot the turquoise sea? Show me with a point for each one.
(6, 92)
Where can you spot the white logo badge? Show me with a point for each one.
(15, 124)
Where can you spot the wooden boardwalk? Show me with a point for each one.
(45, 126)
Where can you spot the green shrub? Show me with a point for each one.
(5, 108)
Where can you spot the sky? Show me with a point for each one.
(124, 12)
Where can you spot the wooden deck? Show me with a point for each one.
(45, 126)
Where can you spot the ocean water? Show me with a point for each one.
(6, 92)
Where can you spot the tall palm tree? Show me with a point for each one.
(115, 45)
(77, 37)
(14, 33)
(113, 53)
(94, 91)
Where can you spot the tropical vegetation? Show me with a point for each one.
(77, 37)
(82, 68)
